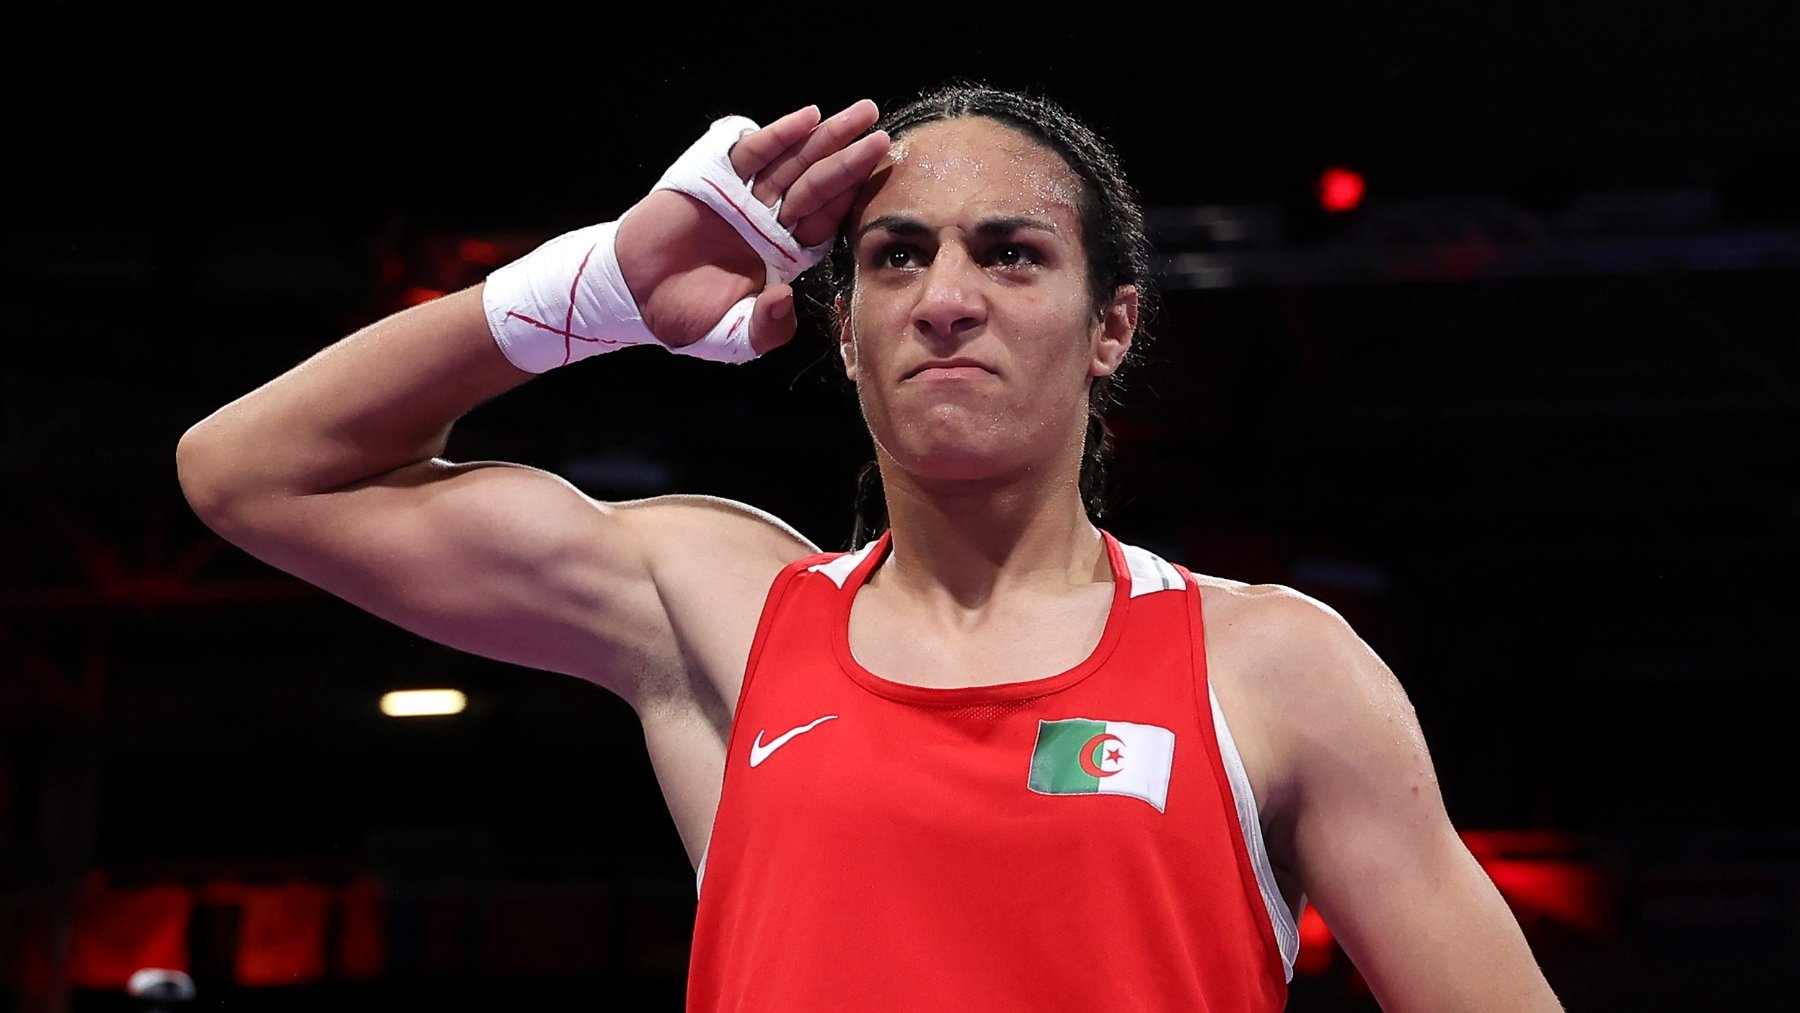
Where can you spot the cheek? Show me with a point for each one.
(1050, 328)
(872, 305)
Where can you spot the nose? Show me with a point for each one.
(951, 301)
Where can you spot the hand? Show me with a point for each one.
(686, 266)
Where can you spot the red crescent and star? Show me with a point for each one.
(1087, 755)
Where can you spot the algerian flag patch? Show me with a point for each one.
(1081, 756)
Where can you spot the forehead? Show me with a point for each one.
(954, 171)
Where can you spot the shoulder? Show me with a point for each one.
(1285, 632)
(687, 535)
(712, 562)
(1316, 700)
(689, 514)
(720, 550)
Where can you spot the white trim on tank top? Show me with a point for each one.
(840, 568)
(1287, 934)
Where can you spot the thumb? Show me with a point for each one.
(772, 319)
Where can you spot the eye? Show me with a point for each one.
(898, 257)
(1014, 255)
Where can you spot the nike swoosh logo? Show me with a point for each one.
(760, 752)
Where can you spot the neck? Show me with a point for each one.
(963, 540)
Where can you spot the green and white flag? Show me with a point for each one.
(1081, 756)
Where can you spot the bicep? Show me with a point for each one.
(499, 560)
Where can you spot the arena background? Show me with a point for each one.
(1526, 415)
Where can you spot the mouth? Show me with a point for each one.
(948, 369)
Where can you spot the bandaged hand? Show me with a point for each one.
(702, 264)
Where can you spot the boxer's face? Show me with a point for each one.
(967, 242)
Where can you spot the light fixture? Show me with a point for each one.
(1340, 190)
(417, 703)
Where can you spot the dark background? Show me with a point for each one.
(1528, 419)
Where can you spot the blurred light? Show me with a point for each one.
(1340, 189)
(1316, 944)
(1541, 877)
(413, 703)
(160, 984)
(1561, 891)
(418, 294)
(480, 251)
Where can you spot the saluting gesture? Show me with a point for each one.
(686, 265)
(1000, 728)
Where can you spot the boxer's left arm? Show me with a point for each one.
(1365, 828)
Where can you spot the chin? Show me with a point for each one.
(955, 469)
(951, 442)
(948, 457)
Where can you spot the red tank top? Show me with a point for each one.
(1070, 842)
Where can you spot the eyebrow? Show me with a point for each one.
(1004, 225)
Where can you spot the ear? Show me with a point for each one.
(846, 344)
(1113, 334)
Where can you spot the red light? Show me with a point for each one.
(1316, 944)
(1340, 189)
(1537, 873)
(480, 251)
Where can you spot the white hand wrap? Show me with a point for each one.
(567, 300)
(704, 172)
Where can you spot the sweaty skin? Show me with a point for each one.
(968, 255)
(967, 249)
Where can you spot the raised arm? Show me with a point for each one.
(332, 472)
(1359, 819)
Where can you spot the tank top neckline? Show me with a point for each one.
(964, 696)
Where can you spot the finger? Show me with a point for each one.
(818, 201)
(828, 178)
(754, 150)
(772, 318)
(831, 136)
